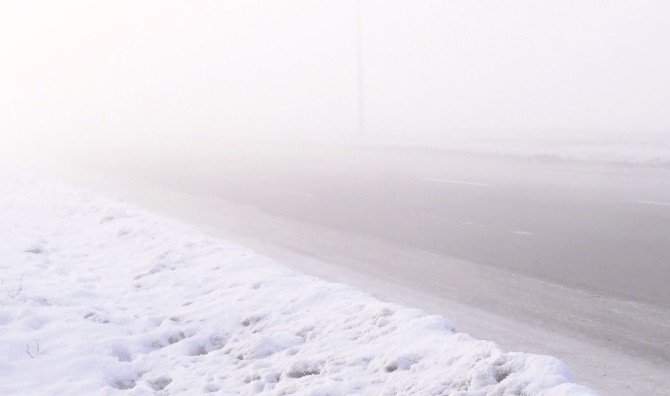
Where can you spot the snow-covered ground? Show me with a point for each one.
(100, 297)
(646, 153)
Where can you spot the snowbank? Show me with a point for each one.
(100, 297)
(656, 154)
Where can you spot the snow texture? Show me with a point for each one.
(100, 297)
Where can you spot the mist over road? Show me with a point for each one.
(602, 228)
(575, 254)
(506, 166)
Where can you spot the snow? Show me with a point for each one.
(101, 297)
(639, 153)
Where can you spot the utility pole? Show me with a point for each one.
(361, 90)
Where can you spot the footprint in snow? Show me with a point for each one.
(38, 247)
(159, 383)
(198, 346)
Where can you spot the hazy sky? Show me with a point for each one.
(76, 72)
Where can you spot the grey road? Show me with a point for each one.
(568, 259)
(602, 228)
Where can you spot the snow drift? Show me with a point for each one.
(98, 296)
(622, 153)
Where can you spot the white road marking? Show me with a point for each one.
(298, 193)
(657, 203)
(523, 233)
(458, 182)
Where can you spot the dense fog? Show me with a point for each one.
(503, 163)
(81, 75)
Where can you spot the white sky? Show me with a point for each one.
(133, 72)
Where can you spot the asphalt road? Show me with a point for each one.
(568, 259)
(601, 228)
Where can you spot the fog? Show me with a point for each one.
(83, 75)
(504, 162)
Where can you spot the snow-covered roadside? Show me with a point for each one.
(98, 297)
(640, 153)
